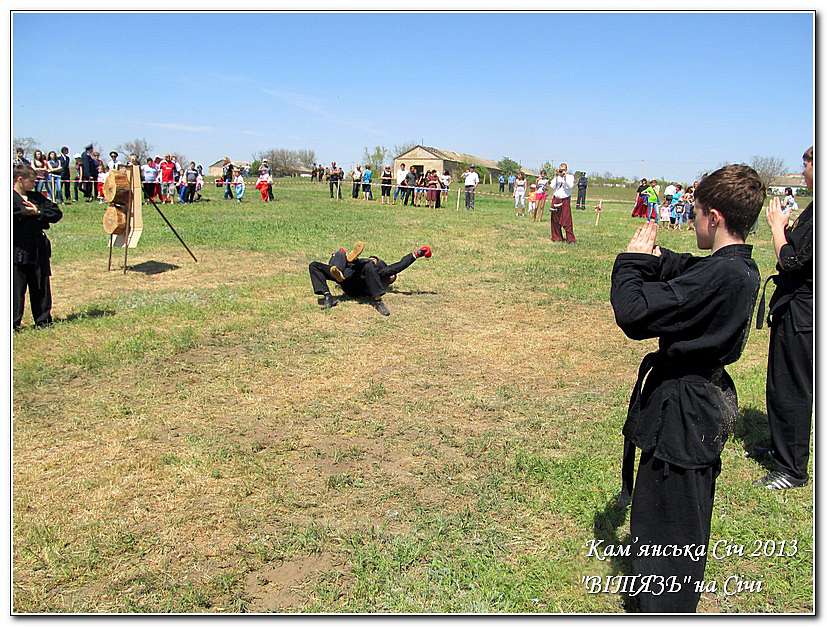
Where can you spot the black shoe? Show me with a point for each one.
(329, 301)
(760, 453)
(379, 306)
(780, 480)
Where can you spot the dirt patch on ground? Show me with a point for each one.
(279, 587)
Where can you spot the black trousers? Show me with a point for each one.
(320, 272)
(790, 395)
(356, 187)
(189, 195)
(409, 195)
(335, 187)
(362, 278)
(35, 279)
(671, 506)
(67, 187)
(89, 190)
(581, 197)
(270, 191)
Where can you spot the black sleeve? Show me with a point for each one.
(646, 306)
(396, 268)
(672, 264)
(798, 251)
(49, 212)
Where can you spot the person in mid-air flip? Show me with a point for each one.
(360, 278)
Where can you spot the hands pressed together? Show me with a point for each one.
(776, 218)
(643, 241)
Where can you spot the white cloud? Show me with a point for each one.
(181, 127)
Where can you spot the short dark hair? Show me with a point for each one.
(23, 170)
(808, 155)
(737, 192)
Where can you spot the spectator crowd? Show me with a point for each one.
(62, 177)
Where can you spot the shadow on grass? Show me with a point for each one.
(80, 315)
(89, 313)
(153, 267)
(605, 526)
(752, 429)
(411, 292)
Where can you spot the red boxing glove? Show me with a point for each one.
(423, 251)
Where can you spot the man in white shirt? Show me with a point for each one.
(113, 161)
(669, 192)
(470, 179)
(561, 186)
(401, 173)
(356, 177)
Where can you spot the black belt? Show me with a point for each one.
(650, 361)
(762, 304)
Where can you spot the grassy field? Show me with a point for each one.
(205, 439)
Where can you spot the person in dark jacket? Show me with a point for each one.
(65, 173)
(790, 363)
(360, 278)
(700, 309)
(228, 174)
(335, 180)
(89, 165)
(32, 214)
(582, 186)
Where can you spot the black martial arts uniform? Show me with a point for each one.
(335, 179)
(30, 258)
(363, 277)
(790, 363)
(700, 309)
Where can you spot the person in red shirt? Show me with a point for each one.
(167, 180)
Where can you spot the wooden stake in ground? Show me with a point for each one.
(598, 210)
(458, 190)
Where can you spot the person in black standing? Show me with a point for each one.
(65, 160)
(335, 180)
(700, 310)
(90, 173)
(790, 362)
(227, 173)
(410, 186)
(360, 278)
(582, 184)
(32, 213)
(387, 182)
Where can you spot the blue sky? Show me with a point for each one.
(635, 94)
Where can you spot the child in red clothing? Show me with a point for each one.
(263, 185)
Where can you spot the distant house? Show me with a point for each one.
(422, 158)
(217, 168)
(780, 183)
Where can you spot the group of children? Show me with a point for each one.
(264, 185)
(678, 209)
(166, 180)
